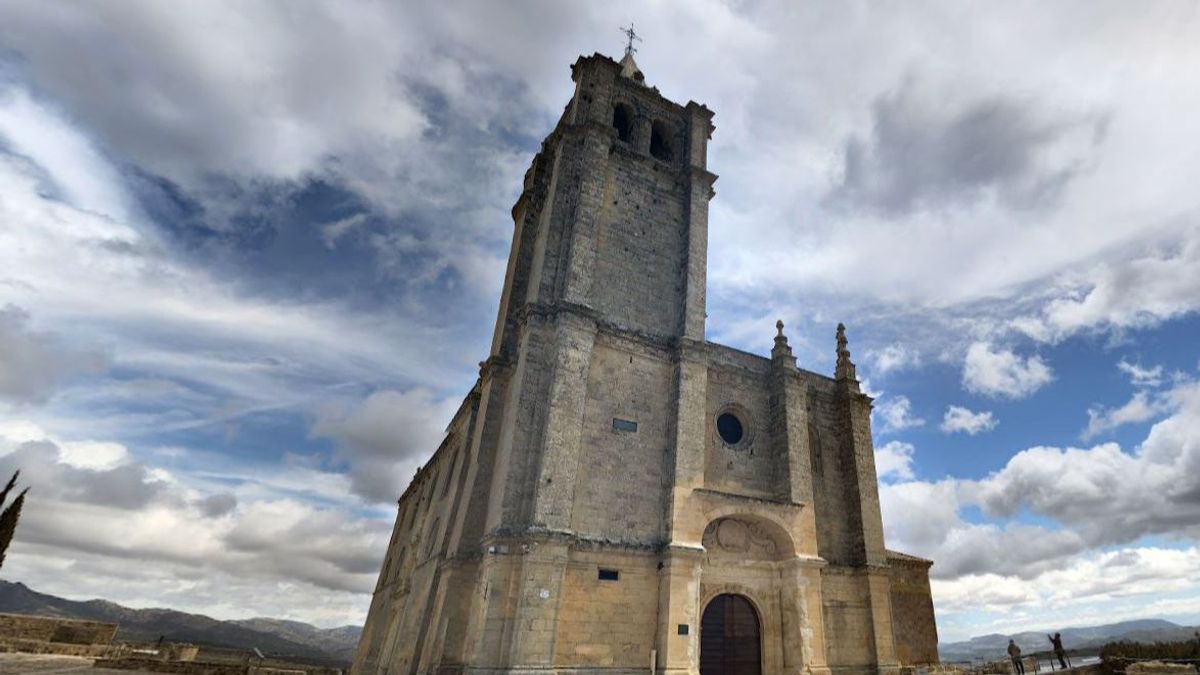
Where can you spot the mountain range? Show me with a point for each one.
(276, 637)
(335, 646)
(992, 647)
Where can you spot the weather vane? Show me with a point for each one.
(631, 35)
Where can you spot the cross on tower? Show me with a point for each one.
(631, 35)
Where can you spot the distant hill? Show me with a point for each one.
(271, 636)
(992, 647)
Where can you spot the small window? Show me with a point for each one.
(608, 575)
(729, 427)
(623, 121)
(660, 146)
(624, 425)
(683, 629)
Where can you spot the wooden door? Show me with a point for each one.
(729, 638)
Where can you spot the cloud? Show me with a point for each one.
(1108, 495)
(1142, 407)
(212, 348)
(124, 485)
(1145, 404)
(215, 506)
(893, 461)
(332, 232)
(1000, 372)
(896, 414)
(927, 151)
(1122, 584)
(925, 518)
(1155, 283)
(33, 364)
(266, 104)
(893, 357)
(1086, 499)
(385, 437)
(1139, 376)
(176, 527)
(959, 419)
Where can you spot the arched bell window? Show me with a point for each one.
(660, 142)
(623, 121)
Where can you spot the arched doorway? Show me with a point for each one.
(730, 643)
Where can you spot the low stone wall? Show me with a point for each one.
(145, 663)
(53, 629)
(157, 666)
(40, 647)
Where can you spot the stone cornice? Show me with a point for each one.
(747, 498)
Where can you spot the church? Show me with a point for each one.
(618, 495)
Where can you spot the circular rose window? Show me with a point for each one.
(730, 428)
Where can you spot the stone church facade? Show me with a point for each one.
(617, 494)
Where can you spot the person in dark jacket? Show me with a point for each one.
(1014, 653)
(1058, 649)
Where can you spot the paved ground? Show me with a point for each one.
(48, 664)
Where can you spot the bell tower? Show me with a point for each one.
(613, 220)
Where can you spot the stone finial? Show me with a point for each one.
(781, 348)
(630, 70)
(845, 367)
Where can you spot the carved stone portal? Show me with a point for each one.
(744, 538)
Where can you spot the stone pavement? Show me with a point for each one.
(51, 664)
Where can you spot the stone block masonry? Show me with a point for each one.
(617, 491)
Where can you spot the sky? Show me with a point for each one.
(251, 253)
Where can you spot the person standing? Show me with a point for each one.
(1058, 649)
(1014, 653)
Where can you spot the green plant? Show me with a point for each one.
(1115, 656)
(10, 516)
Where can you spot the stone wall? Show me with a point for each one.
(607, 623)
(56, 630)
(626, 425)
(747, 467)
(912, 610)
(640, 247)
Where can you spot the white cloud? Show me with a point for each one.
(1000, 372)
(959, 419)
(1142, 407)
(893, 357)
(893, 461)
(1139, 376)
(1094, 506)
(1107, 495)
(1146, 403)
(84, 522)
(385, 437)
(1133, 293)
(1093, 587)
(1137, 285)
(896, 414)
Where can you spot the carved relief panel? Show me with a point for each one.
(739, 538)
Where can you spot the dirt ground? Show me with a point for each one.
(47, 664)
